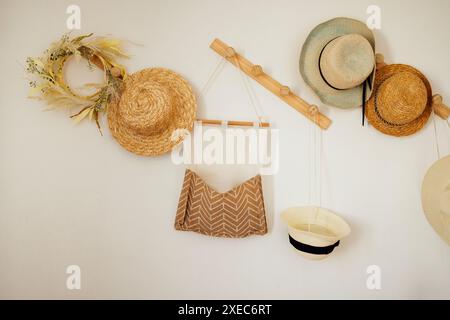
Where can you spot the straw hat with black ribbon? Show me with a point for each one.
(401, 102)
(436, 197)
(338, 62)
(155, 103)
(314, 231)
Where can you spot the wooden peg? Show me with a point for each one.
(285, 91)
(230, 52)
(379, 60)
(257, 70)
(313, 110)
(439, 107)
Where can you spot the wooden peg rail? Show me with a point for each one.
(439, 107)
(257, 73)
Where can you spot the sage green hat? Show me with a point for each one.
(338, 62)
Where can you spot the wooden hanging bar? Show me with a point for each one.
(257, 73)
(234, 123)
(439, 108)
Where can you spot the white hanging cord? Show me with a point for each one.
(253, 98)
(314, 173)
(318, 165)
(314, 163)
(248, 89)
(220, 65)
(436, 136)
(320, 145)
(448, 124)
(309, 162)
(315, 158)
(257, 106)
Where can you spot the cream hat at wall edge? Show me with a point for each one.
(314, 232)
(337, 60)
(436, 197)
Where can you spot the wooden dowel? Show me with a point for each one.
(234, 123)
(269, 83)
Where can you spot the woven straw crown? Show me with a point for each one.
(347, 61)
(401, 102)
(402, 98)
(155, 102)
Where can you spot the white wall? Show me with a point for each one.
(70, 196)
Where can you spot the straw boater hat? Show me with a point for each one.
(338, 62)
(436, 197)
(314, 232)
(155, 102)
(401, 102)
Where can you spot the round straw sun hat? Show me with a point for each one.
(338, 62)
(401, 102)
(155, 102)
(436, 197)
(314, 232)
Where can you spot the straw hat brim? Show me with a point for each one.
(309, 61)
(332, 227)
(397, 130)
(183, 116)
(434, 183)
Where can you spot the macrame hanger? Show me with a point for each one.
(254, 102)
(253, 99)
(219, 67)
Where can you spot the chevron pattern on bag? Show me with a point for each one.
(236, 213)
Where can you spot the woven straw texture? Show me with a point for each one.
(316, 41)
(155, 102)
(237, 213)
(401, 101)
(347, 61)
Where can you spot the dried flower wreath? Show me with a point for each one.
(51, 87)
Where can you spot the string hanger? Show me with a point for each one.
(250, 92)
(436, 138)
(315, 151)
(443, 112)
